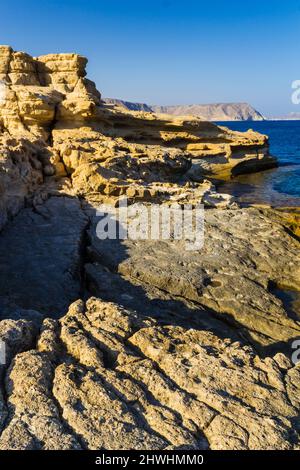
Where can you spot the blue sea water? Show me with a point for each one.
(280, 186)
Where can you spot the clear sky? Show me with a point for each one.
(170, 51)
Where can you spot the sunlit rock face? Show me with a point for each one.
(135, 344)
(48, 107)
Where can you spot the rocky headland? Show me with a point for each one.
(208, 112)
(135, 344)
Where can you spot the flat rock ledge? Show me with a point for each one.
(176, 351)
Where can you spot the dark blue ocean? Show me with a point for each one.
(280, 186)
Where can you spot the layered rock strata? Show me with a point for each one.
(56, 115)
(121, 344)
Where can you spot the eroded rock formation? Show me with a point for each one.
(53, 122)
(120, 344)
(103, 377)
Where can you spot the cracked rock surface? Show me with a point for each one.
(244, 254)
(134, 344)
(102, 377)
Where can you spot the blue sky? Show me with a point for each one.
(170, 51)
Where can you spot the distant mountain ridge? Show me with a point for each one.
(129, 105)
(208, 112)
(214, 111)
(286, 117)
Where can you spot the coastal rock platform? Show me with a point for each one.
(136, 344)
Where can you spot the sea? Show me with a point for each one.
(279, 187)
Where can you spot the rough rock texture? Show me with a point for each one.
(53, 121)
(208, 112)
(244, 255)
(102, 377)
(40, 256)
(177, 348)
(20, 174)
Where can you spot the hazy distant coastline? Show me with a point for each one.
(285, 117)
(209, 112)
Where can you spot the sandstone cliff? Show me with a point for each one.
(56, 115)
(122, 344)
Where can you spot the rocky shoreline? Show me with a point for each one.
(136, 344)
